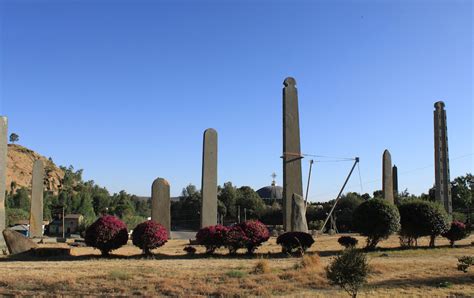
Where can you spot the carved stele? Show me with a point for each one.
(209, 179)
(292, 178)
(387, 180)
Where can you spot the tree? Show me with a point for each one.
(247, 198)
(14, 138)
(228, 196)
(349, 271)
(420, 218)
(376, 219)
(462, 190)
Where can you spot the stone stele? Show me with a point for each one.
(160, 203)
(36, 210)
(3, 174)
(292, 177)
(209, 179)
(298, 218)
(387, 180)
(17, 243)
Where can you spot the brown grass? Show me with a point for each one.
(394, 272)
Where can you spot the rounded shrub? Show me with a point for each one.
(457, 231)
(347, 241)
(149, 235)
(106, 234)
(295, 242)
(249, 234)
(212, 237)
(376, 219)
(419, 218)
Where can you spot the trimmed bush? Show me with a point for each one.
(349, 271)
(376, 219)
(106, 234)
(295, 242)
(347, 241)
(212, 237)
(249, 234)
(149, 235)
(420, 218)
(458, 231)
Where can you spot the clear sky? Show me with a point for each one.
(125, 89)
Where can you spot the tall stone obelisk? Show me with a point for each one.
(160, 203)
(395, 181)
(292, 178)
(442, 179)
(3, 174)
(36, 208)
(209, 179)
(387, 180)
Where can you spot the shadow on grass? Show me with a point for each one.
(439, 281)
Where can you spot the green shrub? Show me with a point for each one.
(465, 262)
(420, 218)
(347, 241)
(376, 219)
(349, 270)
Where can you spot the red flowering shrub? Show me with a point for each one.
(236, 239)
(149, 235)
(295, 241)
(106, 234)
(255, 234)
(212, 237)
(457, 232)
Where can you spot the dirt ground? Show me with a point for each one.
(394, 272)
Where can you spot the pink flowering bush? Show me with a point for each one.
(458, 231)
(249, 234)
(149, 235)
(212, 237)
(106, 234)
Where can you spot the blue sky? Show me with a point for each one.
(125, 89)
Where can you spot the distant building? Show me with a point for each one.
(72, 223)
(272, 193)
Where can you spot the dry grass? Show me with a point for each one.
(395, 272)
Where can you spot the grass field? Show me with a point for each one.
(394, 272)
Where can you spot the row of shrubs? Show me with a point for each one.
(249, 235)
(377, 219)
(109, 233)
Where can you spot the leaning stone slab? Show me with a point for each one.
(298, 218)
(17, 243)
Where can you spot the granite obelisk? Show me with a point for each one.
(160, 203)
(36, 208)
(387, 181)
(209, 179)
(3, 174)
(292, 178)
(442, 179)
(395, 181)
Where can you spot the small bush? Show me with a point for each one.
(295, 242)
(420, 218)
(261, 267)
(106, 234)
(458, 231)
(349, 271)
(348, 241)
(376, 219)
(235, 239)
(149, 235)
(465, 262)
(236, 274)
(190, 250)
(212, 237)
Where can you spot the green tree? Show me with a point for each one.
(376, 219)
(122, 205)
(21, 199)
(247, 198)
(14, 215)
(228, 196)
(14, 138)
(462, 191)
(86, 207)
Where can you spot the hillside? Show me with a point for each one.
(20, 167)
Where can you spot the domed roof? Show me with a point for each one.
(273, 192)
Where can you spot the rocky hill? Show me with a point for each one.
(20, 167)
